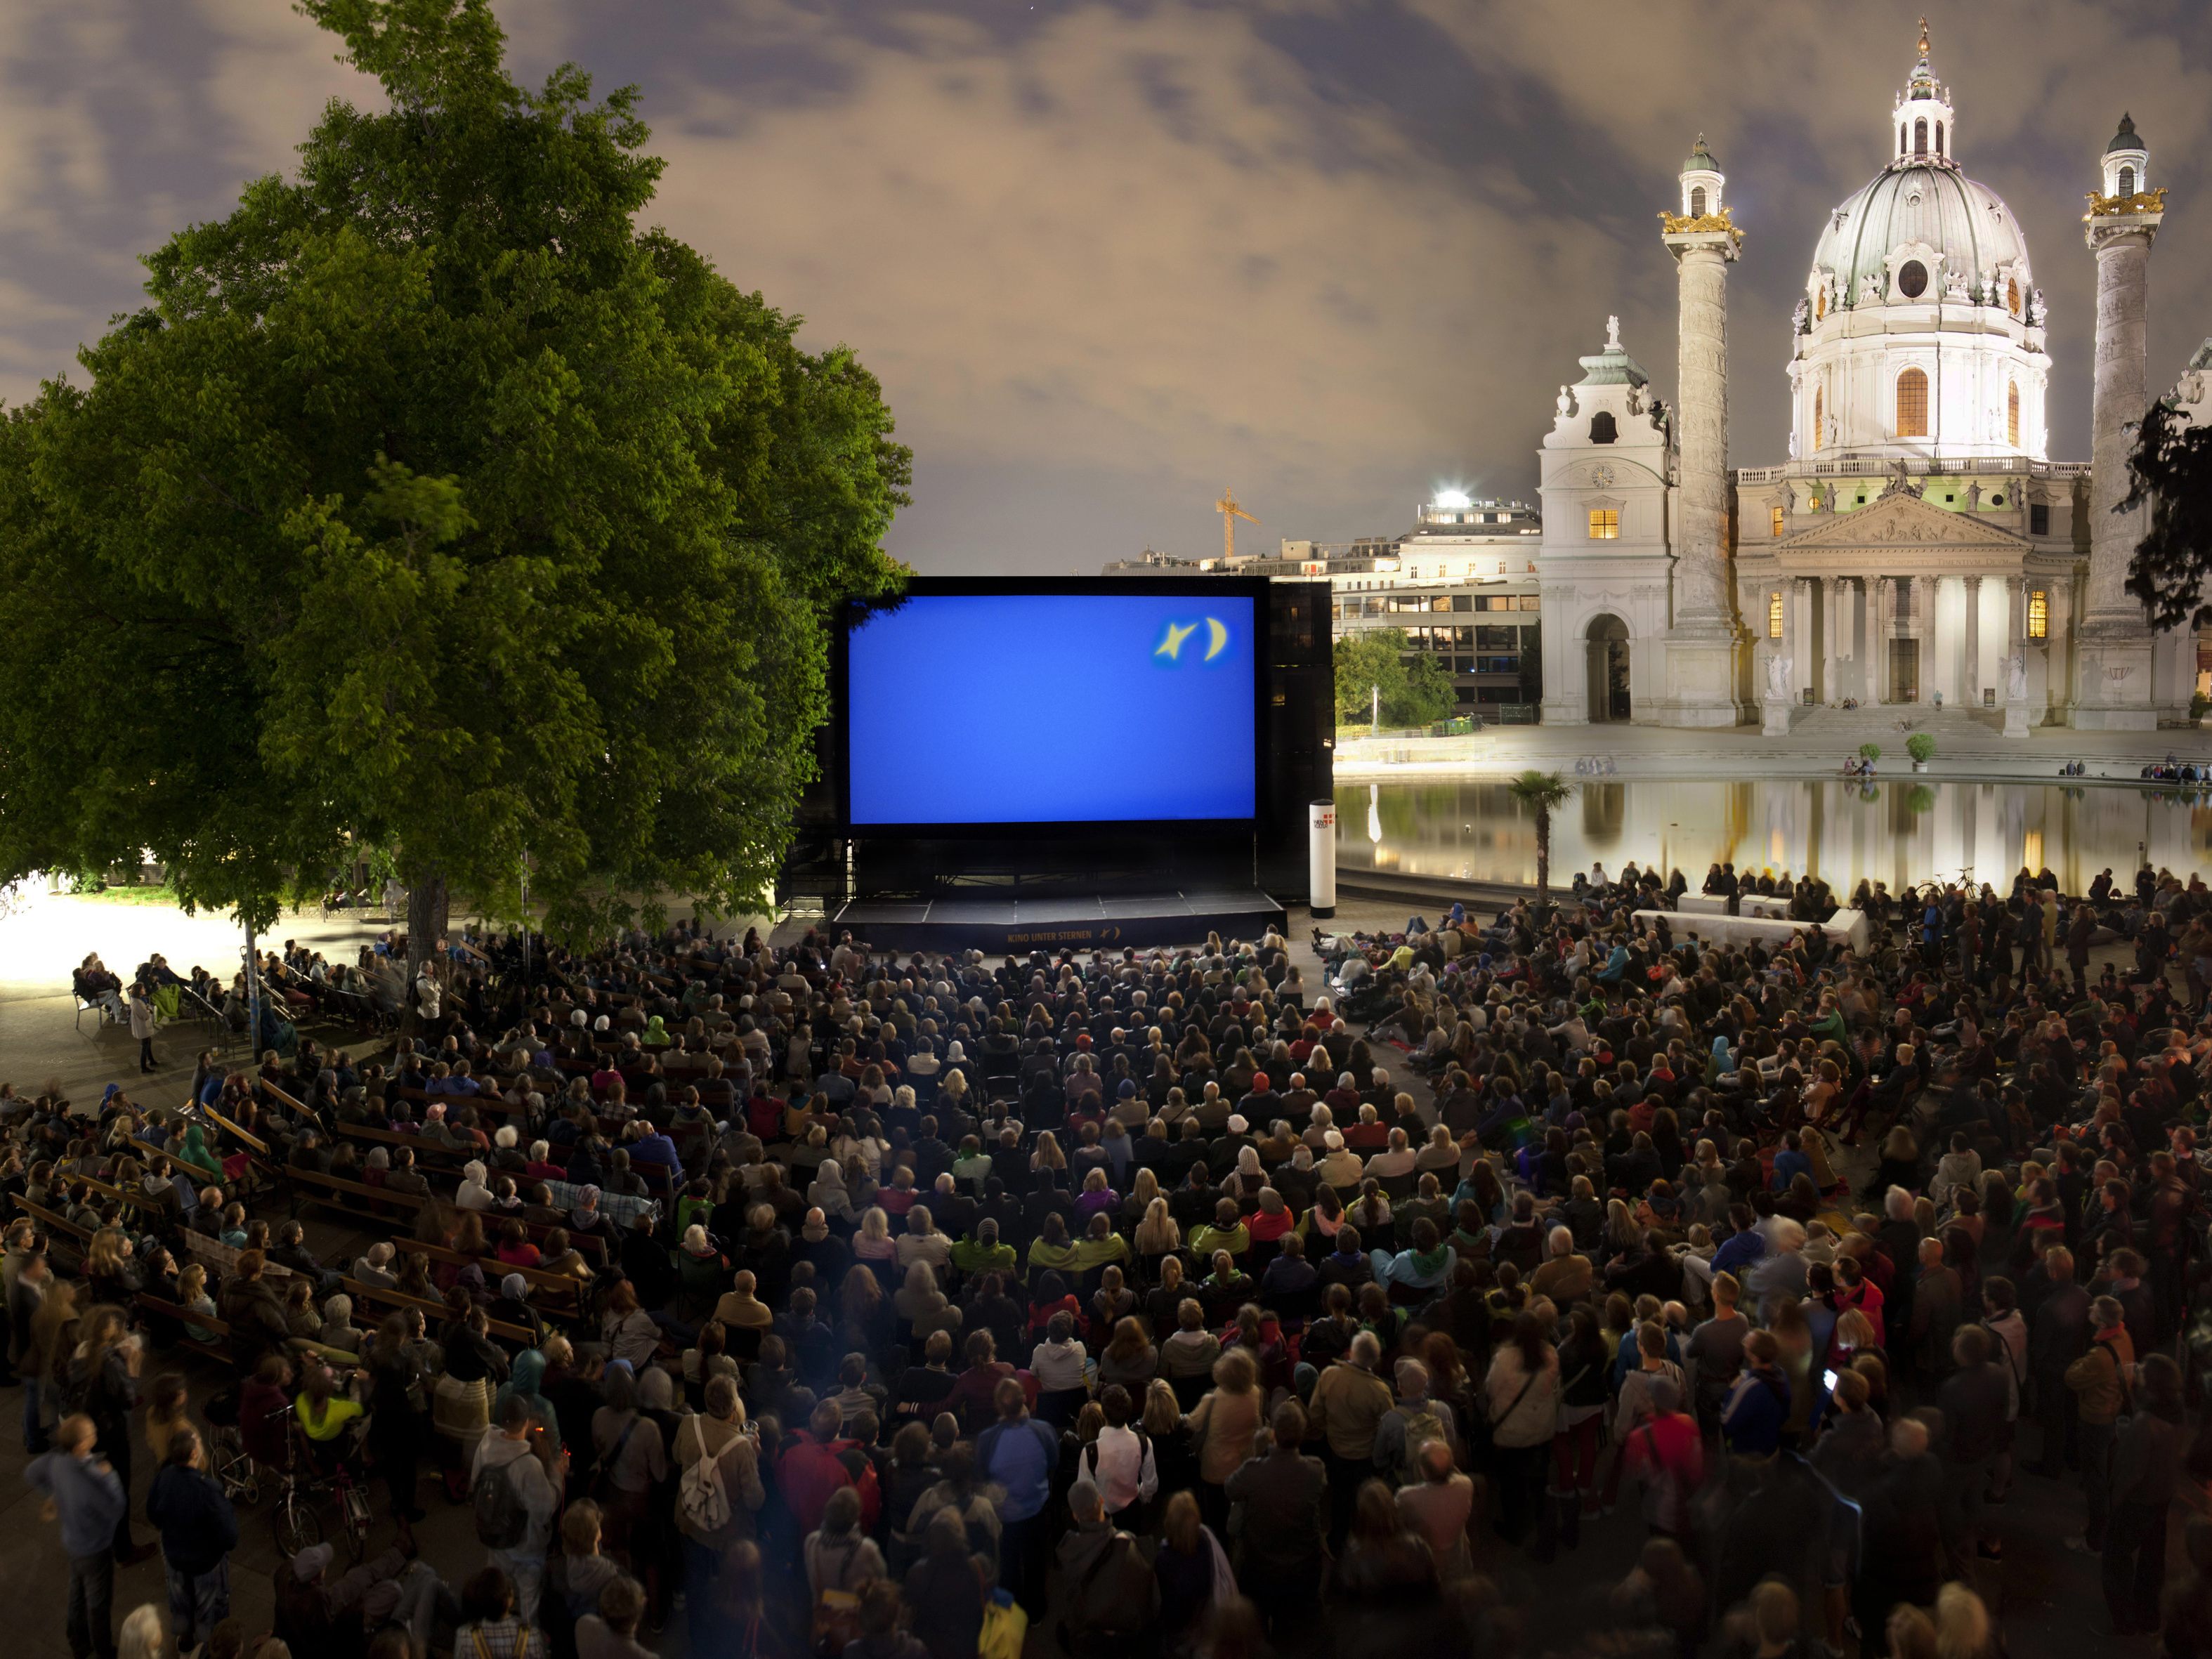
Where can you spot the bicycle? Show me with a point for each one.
(296, 1518)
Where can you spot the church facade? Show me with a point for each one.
(1918, 543)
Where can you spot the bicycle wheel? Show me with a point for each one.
(297, 1525)
(353, 1515)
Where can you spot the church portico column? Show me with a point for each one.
(1832, 601)
(1879, 621)
(1971, 693)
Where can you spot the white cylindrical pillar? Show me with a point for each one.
(1321, 858)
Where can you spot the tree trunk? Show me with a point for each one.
(1543, 865)
(426, 925)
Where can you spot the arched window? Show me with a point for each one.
(1820, 303)
(1920, 137)
(2012, 413)
(1939, 138)
(1698, 202)
(1819, 415)
(1602, 429)
(2127, 181)
(2012, 295)
(1900, 139)
(1912, 405)
(1779, 521)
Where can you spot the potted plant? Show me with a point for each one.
(1922, 747)
(1869, 752)
(2199, 707)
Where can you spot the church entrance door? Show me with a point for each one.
(1608, 669)
(1904, 670)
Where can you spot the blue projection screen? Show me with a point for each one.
(1072, 708)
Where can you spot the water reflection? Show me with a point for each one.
(1898, 832)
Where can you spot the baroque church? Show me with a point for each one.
(1918, 543)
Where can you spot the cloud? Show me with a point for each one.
(1111, 255)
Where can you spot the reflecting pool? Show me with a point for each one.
(1897, 831)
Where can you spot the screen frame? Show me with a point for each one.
(837, 751)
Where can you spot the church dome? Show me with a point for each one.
(1925, 205)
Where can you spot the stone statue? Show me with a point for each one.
(1830, 435)
(1613, 334)
(1566, 402)
(2036, 314)
(1954, 287)
(2015, 668)
(1869, 289)
(1789, 497)
(1636, 400)
(1974, 496)
(1800, 319)
(1777, 679)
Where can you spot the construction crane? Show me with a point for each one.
(1229, 512)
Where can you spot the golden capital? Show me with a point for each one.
(1692, 224)
(2113, 207)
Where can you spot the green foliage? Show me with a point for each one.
(1921, 745)
(1542, 792)
(1374, 660)
(1869, 752)
(2199, 706)
(432, 506)
(2171, 469)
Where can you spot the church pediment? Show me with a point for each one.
(1902, 519)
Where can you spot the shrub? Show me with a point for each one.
(1921, 746)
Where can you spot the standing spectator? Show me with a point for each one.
(515, 1495)
(200, 1529)
(946, 1591)
(1224, 1428)
(2099, 1381)
(25, 1354)
(1521, 1393)
(719, 1492)
(1019, 1454)
(1113, 1599)
(82, 1492)
(1349, 1403)
(1285, 1494)
(2058, 1333)
(1439, 1508)
(143, 1026)
(2149, 1451)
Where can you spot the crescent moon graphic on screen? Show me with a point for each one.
(1217, 638)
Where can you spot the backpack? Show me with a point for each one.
(700, 1498)
(502, 1522)
(1422, 1426)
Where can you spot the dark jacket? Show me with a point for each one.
(199, 1526)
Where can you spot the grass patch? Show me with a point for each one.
(162, 894)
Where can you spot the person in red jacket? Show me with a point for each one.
(1668, 1454)
(814, 1466)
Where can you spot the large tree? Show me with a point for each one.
(1371, 667)
(2171, 469)
(435, 503)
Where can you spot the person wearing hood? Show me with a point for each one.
(474, 1194)
(1420, 1270)
(533, 1472)
(523, 1382)
(194, 1151)
(826, 1193)
(586, 1217)
(513, 1307)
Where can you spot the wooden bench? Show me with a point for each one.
(559, 1285)
(215, 1346)
(432, 1312)
(337, 1191)
(58, 1227)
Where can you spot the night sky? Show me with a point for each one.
(1108, 259)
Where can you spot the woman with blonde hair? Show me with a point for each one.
(1048, 1155)
(873, 1243)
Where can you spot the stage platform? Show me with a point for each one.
(998, 926)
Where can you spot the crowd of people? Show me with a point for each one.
(836, 1302)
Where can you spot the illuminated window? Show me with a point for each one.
(1605, 524)
(1820, 414)
(1912, 405)
(2038, 615)
(2012, 413)
(2127, 181)
(1820, 303)
(1778, 520)
(1698, 203)
(2012, 295)
(1774, 615)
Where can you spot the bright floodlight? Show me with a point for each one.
(1453, 498)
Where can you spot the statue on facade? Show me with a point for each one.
(1954, 287)
(1777, 679)
(1869, 289)
(2015, 668)
(1636, 400)
(2036, 314)
(1789, 498)
(1800, 319)
(1974, 496)
(1613, 334)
